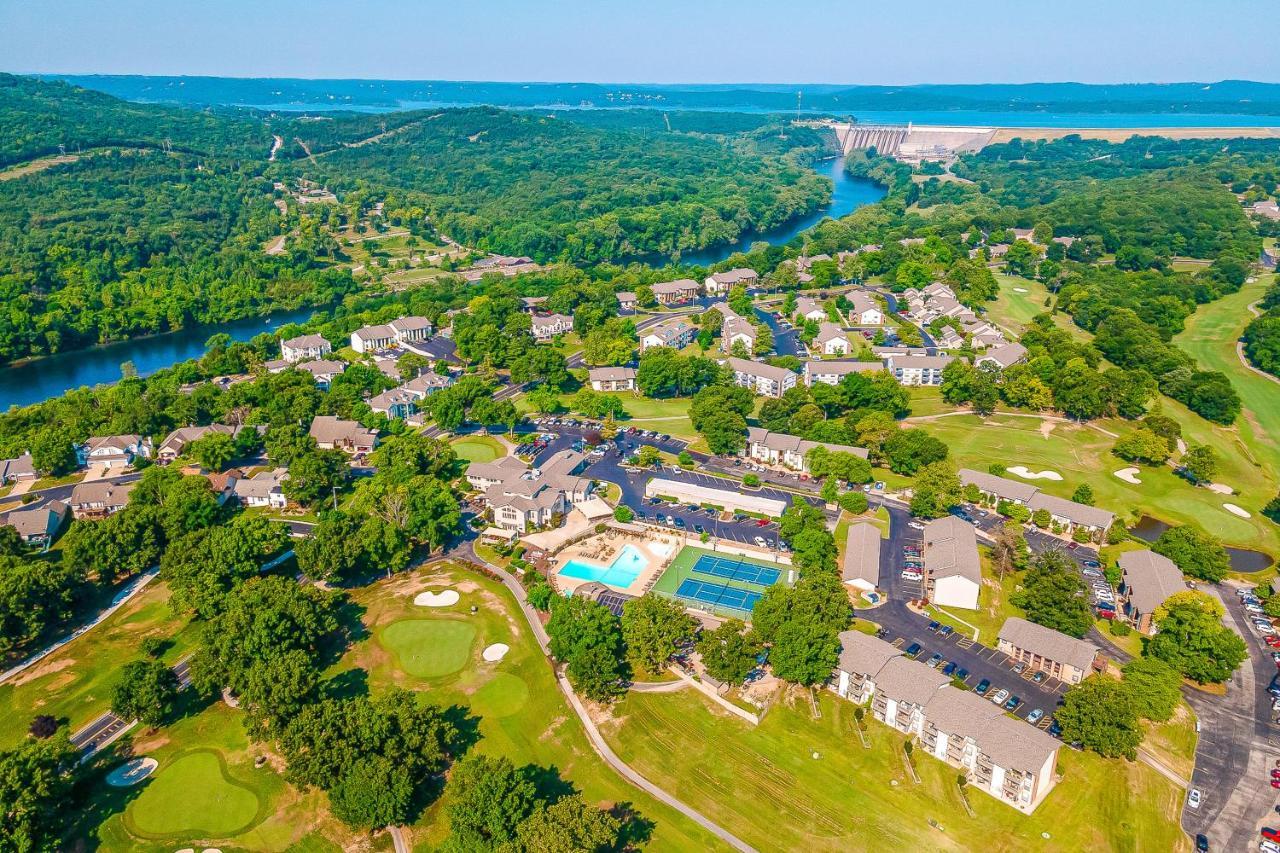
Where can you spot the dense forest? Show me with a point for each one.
(551, 188)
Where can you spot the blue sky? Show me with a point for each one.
(835, 41)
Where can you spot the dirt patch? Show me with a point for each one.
(550, 730)
(46, 667)
(1047, 427)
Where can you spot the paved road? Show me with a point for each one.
(786, 340)
(63, 492)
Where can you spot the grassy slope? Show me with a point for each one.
(765, 783)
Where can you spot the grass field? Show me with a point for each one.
(429, 647)
(1082, 454)
(766, 783)
(669, 416)
(478, 448)
(74, 684)
(521, 713)
(195, 796)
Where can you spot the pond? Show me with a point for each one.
(1148, 529)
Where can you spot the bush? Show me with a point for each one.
(853, 502)
(623, 513)
(1119, 628)
(751, 481)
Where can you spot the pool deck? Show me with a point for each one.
(601, 550)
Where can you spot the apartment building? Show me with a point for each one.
(763, 379)
(1065, 658)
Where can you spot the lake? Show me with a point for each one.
(1148, 529)
(39, 379)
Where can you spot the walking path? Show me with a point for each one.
(593, 733)
(1253, 309)
(1001, 413)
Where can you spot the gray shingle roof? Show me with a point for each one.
(1001, 486)
(862, 553)
(906, 680)
(959, 712)
(1048, 643)
(863, 654)
(1150, 578)
(1076, 513)
(1014, 745)
(951, 550)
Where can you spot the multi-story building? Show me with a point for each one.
(396, 404)
(408, 330)
(735, 330)
(676, 292)
(674, 333)
(1065, 658)
(547, 326)
(266, 488)
(114, 451)
(834, 372)
(523, 498)
(719, 283)
(334, 433)
(1004, 356)
(763, 379)
(865, 311)
(304, 348)
(372, 338)
(324, 371)
(952, 569)
(612, 378)
(917, 369)
(790, 451)
(831, 340)
(99, 498)
(1068, 515)
(1147, 579)
(176, 442)
(809, 309)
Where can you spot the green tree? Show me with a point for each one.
(373, 794)
(488, 800)
(935, 490)
(1200, 463)
(729, 652)
(909, 450)
(1083, 494)
(36, 781)
(1099, 713)
(724, 431)
(1193, 641)
(1154, 686)
(569, 825)
(1053, 595)
(1142, 445)
(1197, 553)
(653, 628)
(147, 691)
(213, 450)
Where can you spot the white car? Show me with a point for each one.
(915, 525)
(759, 540)
(1269, 847)
(999, 696)
(1193, 798)
(909, 575)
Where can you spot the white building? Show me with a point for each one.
(523, 499)
(113, 451)
(952, 568)
(730, 500)
(410, 330)
(304, 348)
(763, 379)
(719, 283)
(1003, 357)
(789, 451)
(809, 309)
(861, 564)
(266, 488)
(547, 326)
(917, 369)
(834, 372)
(371, 338)
(612, 378)
(831, 340)
(676, 292)
(674, 333)
(865, 311)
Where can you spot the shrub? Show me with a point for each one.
(751, 481)
(1119, 628)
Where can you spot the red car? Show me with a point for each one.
(1272, 640)
(1270, 834)
(762, 522)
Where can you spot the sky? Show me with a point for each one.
(650, 41)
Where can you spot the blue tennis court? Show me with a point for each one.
(736, 570)
(718, 595)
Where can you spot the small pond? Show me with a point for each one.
(1148, 529)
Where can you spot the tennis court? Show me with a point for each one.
(736, 570)
(718, 595)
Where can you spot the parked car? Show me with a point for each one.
(1019, 667)
(950, 669)
(1202, 844)
(660, 518)
(1012, 704)
(680, 522)
(1035, 716)
(999, 696)
(962, 674)
(934, 625)
(1193, 798)
(946, 630)
(759, 540)
(698, 529)
(1270, 834)
(913, 650)
(908, 574)
(983, 686)
(1092, 564)
(1039, 677)
(934, 661)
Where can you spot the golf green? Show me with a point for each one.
(429, 648)
(194, 796)
(478, 448)
(501, 696)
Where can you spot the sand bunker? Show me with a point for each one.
(1022, 472)
(1235, 510)
(1020, 290)
(496, 652)
(437, 599)
(131, 772)
(1221, 488)
(1129, 475)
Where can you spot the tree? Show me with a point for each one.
(804, 653)
(1197, 553)
(587, 637)
(569, 825)
(1099, 713)
(724, 431)
(147, 691)
(653, 628)
(729, 653)
(33, 596)
(1200, 463)
(488, 800)
(1083, 494)
(1052, 595)
(1142, 445)
(53, 453)
(1154, 686)
(1041, 518)
(43, 726)
(213, 450)
(373, 794)
(1009, 553)
(1193, 641)
(935, 490)
(623, 513)
(36, 781)
(909, 450)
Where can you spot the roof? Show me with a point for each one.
(498, 469)
(734, 275)
(1048, 643)
(101, 492)
(323, 367)
(305, 341)
(1150, 578)
(806, 306)
(756, 368)
(999, 486)
(427, 381)
(551, 320)
(1076, 513)
(410, 324)
(830, 332)
(862, 553)
(906, 680)
(841, 368)
(374, 333)
(261, 485)
(863, 302)
(668, 330)
(783, 443)
(329, 429)
(394, 397)
(37, 522)
(951, 550)
(1006, 356)
(21, 466)
(919, 362)
(611, 374)
(960, 712)
(1012, 744)
(680, 285)
(182, 436)
(116, 442)
(863, 654)
(625, 296)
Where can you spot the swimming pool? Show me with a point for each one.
(621, 573)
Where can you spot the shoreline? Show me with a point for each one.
(1120, 134)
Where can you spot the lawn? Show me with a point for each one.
(766, 783)
(1082, 454)
(429, 647)
(195, 796)
(478, 448)
(74, 684)
(1174, 742)
(521, 713)
(1018, 300)
(668, 415)
(993, 605)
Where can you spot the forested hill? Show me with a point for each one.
(554, 188)
(37, 117)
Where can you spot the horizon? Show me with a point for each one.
(665, 43)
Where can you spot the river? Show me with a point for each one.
(37, 380)
(847, 194)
